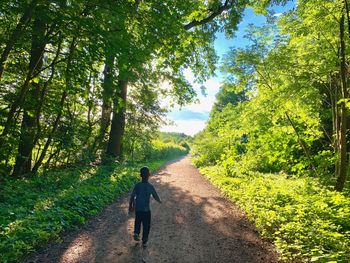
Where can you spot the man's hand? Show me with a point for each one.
(131, 207)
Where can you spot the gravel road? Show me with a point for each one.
(195, 223)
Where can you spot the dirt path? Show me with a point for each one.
(195, 223)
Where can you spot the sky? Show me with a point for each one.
(192, 118)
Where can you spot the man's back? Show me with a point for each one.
(142, 191)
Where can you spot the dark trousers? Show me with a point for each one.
(145, 219)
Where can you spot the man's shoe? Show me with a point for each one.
(136, 237)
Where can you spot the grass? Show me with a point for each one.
(37, 209)
(306, 221)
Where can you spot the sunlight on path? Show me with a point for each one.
(195, 223)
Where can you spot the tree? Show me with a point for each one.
(67, 65)
(294, 79)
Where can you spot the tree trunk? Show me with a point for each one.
(60, 106)
(303, 145)
(16, 34)
(52, 156)
(114, 147)
(343, 114)
(87, 140)
(36, 55)
(24, 155)
(107, 94)
(334, 97)
(29, 121)
(49, 139)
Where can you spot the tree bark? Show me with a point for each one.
(334, 95)
(107, 94)
(29, 122)
(35, 60)
(343, 164)
(114, 147)
(303, 145)
(16, 34)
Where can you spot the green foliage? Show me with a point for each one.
(278, 113)
(160, 149)
(268, 117)
(39, 208)
(54, 53)
(143, 116)
(177, 138)
(306, 221)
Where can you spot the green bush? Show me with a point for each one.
(306, 221)
(36, 209)
(160, 149)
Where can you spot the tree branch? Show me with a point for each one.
(16, 34)
(226, 6)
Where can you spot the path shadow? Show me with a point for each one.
(188, 227)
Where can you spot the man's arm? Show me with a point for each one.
(132, 199)
(155, 195)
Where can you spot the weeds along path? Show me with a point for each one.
(195, 223)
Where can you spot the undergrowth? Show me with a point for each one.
(38, 208)
(306, 221)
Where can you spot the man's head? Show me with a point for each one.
(144, 173)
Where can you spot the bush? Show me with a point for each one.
(160, 149)
(306, 221)
(36, 209)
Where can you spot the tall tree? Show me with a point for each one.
(29, 122)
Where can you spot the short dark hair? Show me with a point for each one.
(144, 171)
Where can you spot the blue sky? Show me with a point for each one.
(192, 118)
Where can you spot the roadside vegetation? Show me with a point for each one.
(305, 220)
(36, 209)
(81, 85)
(81, 91)
(277, 141)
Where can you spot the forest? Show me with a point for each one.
(81, 86)
(82, 81)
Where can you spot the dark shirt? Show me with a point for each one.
(142, 192)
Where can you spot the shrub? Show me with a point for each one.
(160, 149)
(306, 221)
(36, 209)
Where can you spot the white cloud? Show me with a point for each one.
(277, 14)
(212, 86)
(189, 127)
(189, 75)
(203, 104)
